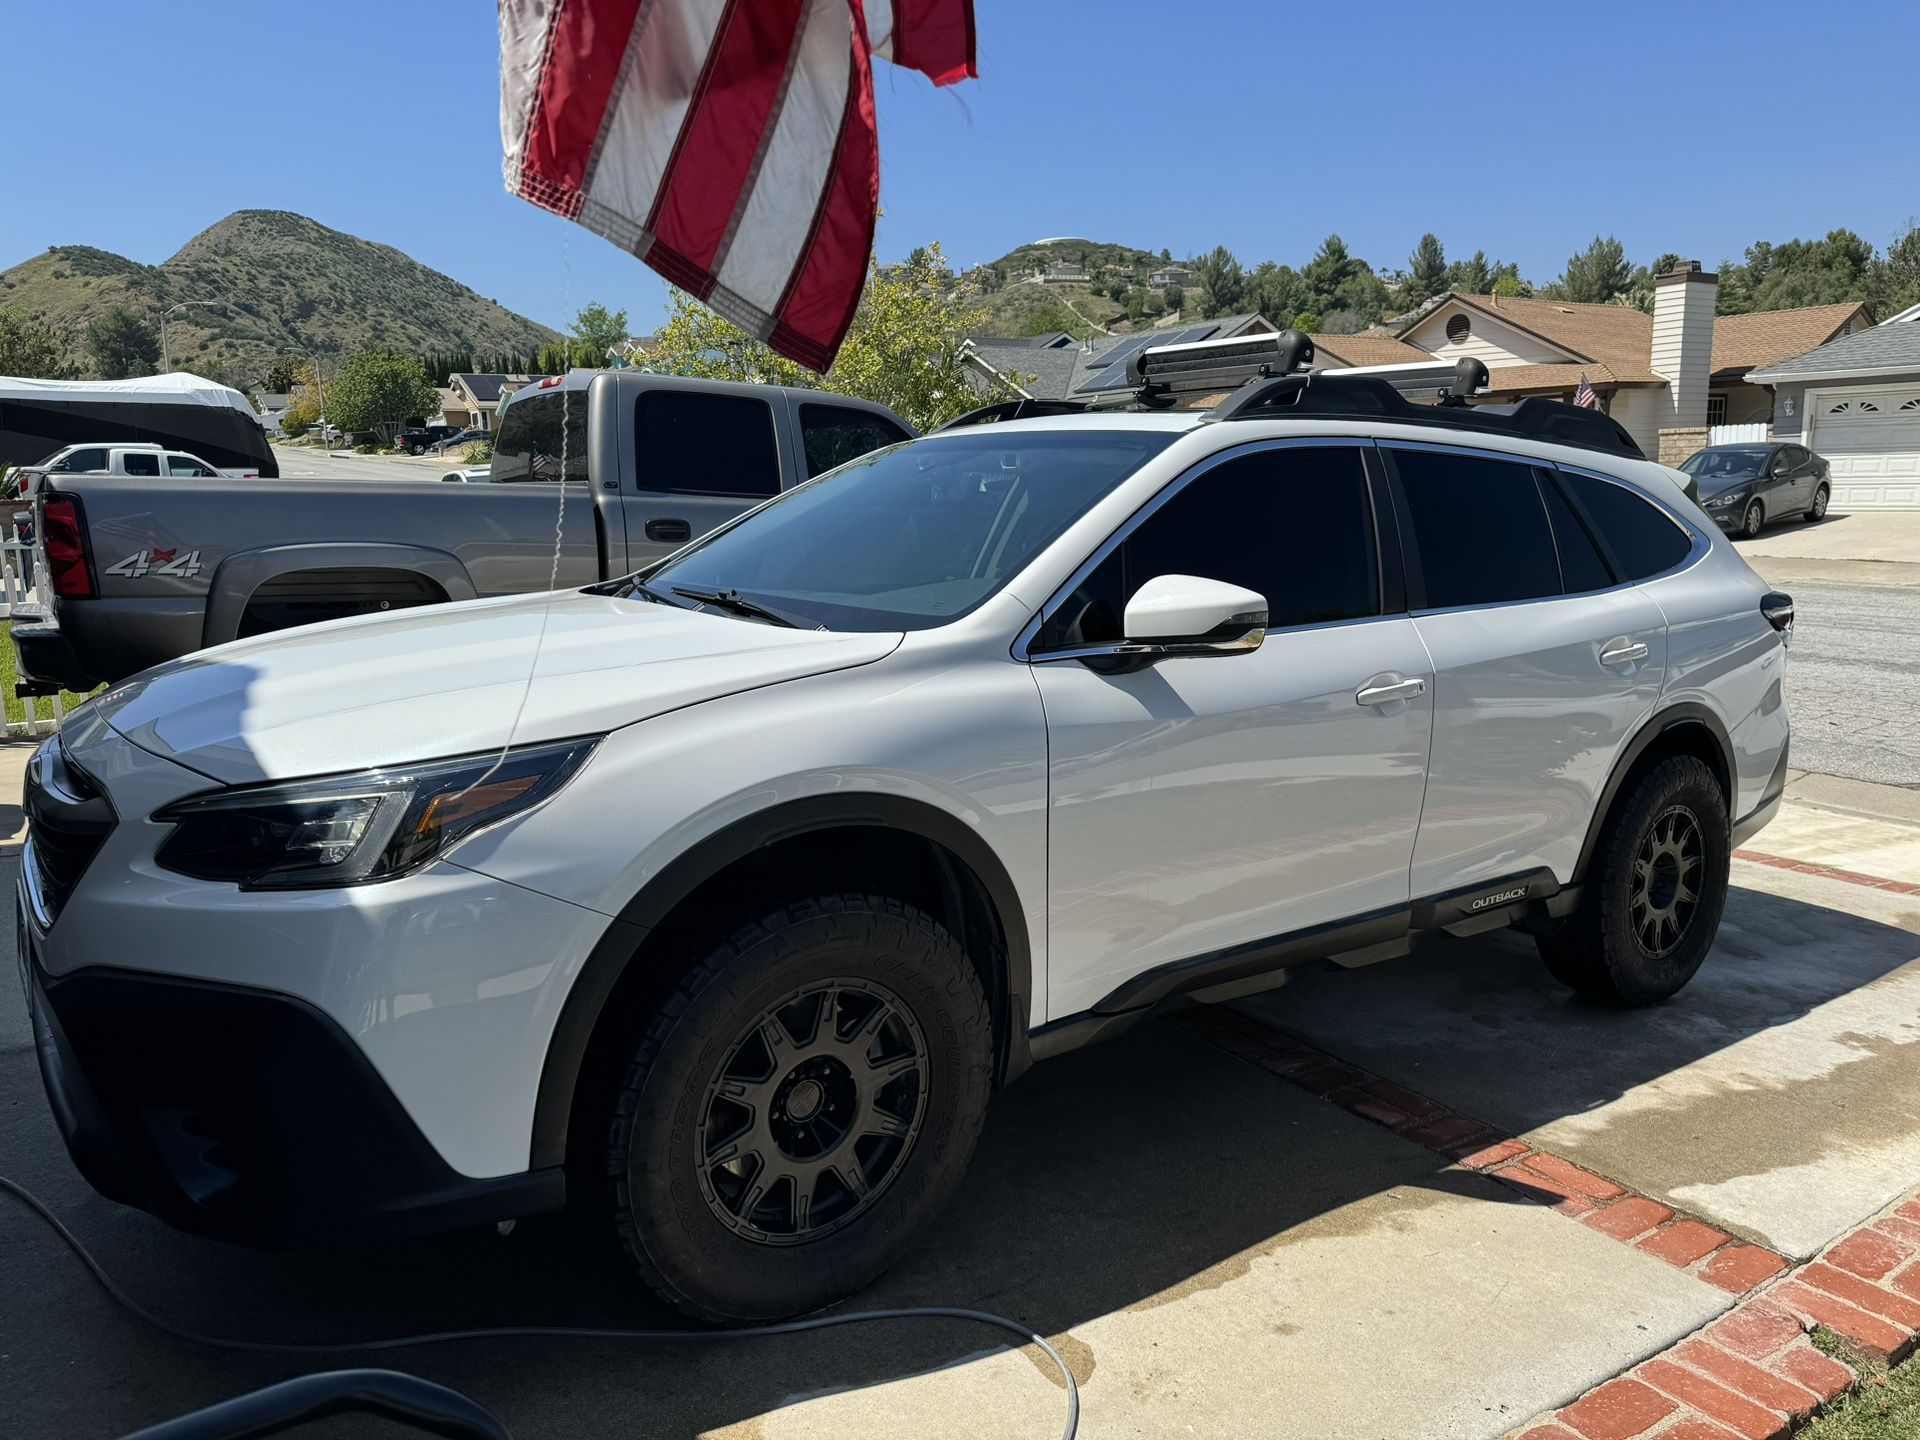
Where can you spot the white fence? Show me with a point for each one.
(1755, 434)
(19, 574)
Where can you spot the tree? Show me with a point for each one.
(1640, 289)
(1509, 287)
(1331, 267)
(1117, 291)
(1471, 277)
(1136, 303)
(1896, 275)
(1426, 271)
(1175, 297)
(1829, 271)
(1306, 320)
(280, 378)
(34, 350)
(375, 389)
(1221, 279)
(596, 330)
(904, 349)
(122, 344)
(1273, 290)
(1597, 274)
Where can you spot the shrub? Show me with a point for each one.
(293, 428)
(366, 449)
(480, 452)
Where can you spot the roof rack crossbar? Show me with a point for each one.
(1331, 395)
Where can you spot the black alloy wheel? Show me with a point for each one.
(1665, 891)
(813, 1112)
(799, 1105)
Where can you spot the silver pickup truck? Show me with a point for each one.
(141, 571)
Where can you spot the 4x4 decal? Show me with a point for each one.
(158, 562)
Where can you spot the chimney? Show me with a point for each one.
(1683, 302)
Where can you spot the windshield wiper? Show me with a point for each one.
(739, 604)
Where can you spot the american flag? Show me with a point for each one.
(1584, 396)
(730, 144)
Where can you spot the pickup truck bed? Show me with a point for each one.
(650, 462)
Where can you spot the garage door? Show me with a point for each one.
(1872, 440)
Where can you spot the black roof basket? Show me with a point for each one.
(1013, 410)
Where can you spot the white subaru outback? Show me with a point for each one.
(720, 900)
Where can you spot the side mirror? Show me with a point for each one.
(1186, 610)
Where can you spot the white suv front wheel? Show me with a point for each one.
(1654, 892)
(799, 1108)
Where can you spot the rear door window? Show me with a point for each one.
(1479, 527)
(1644, 539)
(689, 443)
(186, 465)
(1294, 523)
(835, 434)
(140, 462)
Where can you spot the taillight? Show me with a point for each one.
(1778, 609)
(66, 547)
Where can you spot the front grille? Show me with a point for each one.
(68, 819)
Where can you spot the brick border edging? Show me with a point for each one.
(1684, 1241)
(1828, 872)
(1751, 1373)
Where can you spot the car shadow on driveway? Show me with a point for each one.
(1119, 1178)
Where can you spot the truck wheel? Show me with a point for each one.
(799, 1108)
(1654, 892)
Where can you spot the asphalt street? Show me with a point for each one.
(300, 463)
(1853, 681)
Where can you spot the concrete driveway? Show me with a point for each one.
(1216, 1249)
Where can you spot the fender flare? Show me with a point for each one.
(1685, 712)
(587, 998)
(240, 574)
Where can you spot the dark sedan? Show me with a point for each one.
(1743, 487)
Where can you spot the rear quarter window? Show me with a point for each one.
(1644, 539)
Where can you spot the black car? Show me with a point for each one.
(454, 438)
(421, 438)
(1744, 486)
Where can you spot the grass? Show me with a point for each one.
(1885, 1407)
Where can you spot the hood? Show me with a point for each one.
(442, 680)
(1717, 485)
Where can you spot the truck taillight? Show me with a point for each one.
(66, 548)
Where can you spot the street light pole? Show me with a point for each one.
(166, 353)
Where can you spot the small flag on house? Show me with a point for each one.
(730, 144)
(1584, 396)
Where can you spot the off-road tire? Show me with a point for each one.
(661, 1178)
(1754, 521)
(1817, 511)
(1599, 951)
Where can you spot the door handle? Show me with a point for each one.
(669, 530)
(1623, 652)
(1385, 689)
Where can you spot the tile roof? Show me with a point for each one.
(1740, 342)
(1893, 348)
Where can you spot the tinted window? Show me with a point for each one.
(1643, 540)
(1796, 457)
(1581, 565)
(694, 444)
(1294, 524)
(186, 465)
(1480, 528)
(911, 537)
(833, 435)
(140, 462)
(541, 435)
(81, 461)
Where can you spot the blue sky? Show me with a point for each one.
(1522, 130)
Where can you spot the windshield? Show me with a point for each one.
(528, 443)
(913, 536)
(1741, 464)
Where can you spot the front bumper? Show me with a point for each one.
(282, 1066)
(243, 1114)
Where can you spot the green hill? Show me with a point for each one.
(277, 284)
(1013, 308)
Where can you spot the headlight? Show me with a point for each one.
(1730, 498)
(353, 829)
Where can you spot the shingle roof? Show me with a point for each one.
(1740, 342)
(1532, 379)
(1618, 335)
(1891, 348)
(1368, 348)
(1053, 370)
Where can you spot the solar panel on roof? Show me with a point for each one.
(1109, 369)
